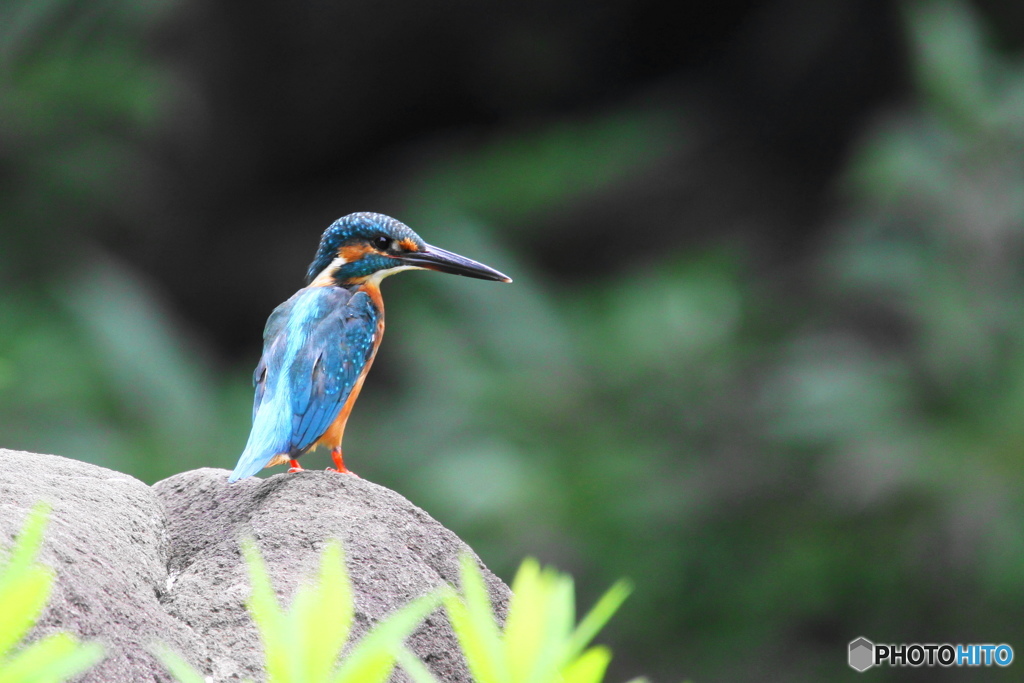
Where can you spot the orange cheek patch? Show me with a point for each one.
(353, 252)
(409, 245)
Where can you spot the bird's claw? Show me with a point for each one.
(337, 471)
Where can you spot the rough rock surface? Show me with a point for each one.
(137, 564)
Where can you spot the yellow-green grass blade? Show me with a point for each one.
(176, 665)
(473, 621)
(588, 667)
(321, 616)
(482, 666)
(22, 555)
(270, 621)
(540, 621)
(21, 601)
(373, 657)
(413, 666)
(53, 659)
(524, 625)
(598, 616)
(560, 616)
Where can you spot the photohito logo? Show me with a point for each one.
(863, 654)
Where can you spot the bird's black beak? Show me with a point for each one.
(435, 258)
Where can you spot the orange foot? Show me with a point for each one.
(295, 467)
(337, 471)
(339, 464)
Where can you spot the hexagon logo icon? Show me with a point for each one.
(862, 654)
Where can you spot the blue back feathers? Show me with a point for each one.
(316, 346)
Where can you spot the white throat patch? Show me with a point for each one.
(374, 280)
(324, 278)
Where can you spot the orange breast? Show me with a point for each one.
(336, 432)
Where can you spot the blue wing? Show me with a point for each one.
(316, 346)
(272, 335)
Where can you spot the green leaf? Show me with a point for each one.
(598, 616)
(416, 669)
(539, 643)
(475, 651)
(474, 626)
(21, 601)
(373, 657)
(27, 546)
(588, 667)
(540, 617)
(176, 665)
(560, 617)
(321, 616)
(55, 658)
(267, 614)
(304, 643)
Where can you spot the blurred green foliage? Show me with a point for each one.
(780, 463)
(90, 363)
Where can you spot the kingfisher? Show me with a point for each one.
(320, 343)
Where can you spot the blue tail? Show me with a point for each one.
(249, 464)
(265, 441)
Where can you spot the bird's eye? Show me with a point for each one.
(383, 243)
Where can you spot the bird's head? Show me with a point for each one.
(367, 247)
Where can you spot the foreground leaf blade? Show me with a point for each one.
(55, 658)
(21, 602)
(30, 539)
(473, 621)
(267, 614)
(598, 616)
(176, 665)
(412, 665)
(373, 657)
(322, 618)
(588, 667)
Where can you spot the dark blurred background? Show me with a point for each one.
(764, 352)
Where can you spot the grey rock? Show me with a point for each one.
(394, 551)
(137, 565)
(107, 540)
